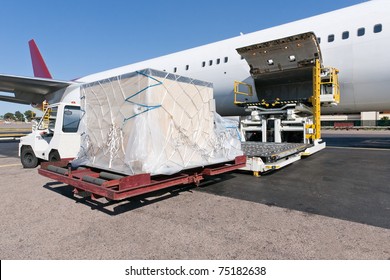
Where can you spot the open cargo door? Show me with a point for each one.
(282, 69)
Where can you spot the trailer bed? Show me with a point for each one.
(101, 183)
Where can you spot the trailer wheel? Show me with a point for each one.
(54, 156)
(28, 158)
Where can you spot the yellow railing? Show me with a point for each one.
(46, 116)
(316, 102)
(333, 82)
(237, 91)
(313, 131)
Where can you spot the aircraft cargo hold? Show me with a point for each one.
(154, 122)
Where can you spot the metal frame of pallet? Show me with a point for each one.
(133, 185)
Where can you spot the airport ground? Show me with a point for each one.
(332, 205)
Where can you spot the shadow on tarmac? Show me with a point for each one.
(114, 208)
(347, 184)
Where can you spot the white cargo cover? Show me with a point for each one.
(153, 122)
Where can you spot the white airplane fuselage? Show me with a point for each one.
(362, 60)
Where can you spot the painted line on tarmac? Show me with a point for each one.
(359, 148)
(10, 165)
(12, 135)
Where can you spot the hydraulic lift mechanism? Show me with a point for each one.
(291, 85)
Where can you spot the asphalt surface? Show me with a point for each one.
(9, 148)
(332, 205)
(346, 184)
(358, 139)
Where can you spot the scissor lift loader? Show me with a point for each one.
(291, 85)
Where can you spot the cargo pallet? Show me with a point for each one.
(112, 186)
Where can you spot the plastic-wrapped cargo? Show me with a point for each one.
(154, 122)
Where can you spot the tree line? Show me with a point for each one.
(18, 116)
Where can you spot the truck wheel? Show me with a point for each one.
(54, 156)
(28, 158)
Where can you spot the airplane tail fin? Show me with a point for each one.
(39, 65)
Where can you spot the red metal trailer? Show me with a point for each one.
(101, 183)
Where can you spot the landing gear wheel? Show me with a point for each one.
(28, 158)
(54, 156)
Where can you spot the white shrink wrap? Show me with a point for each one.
(153, 122)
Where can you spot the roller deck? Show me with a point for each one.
(272, 152)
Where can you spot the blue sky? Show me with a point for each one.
(81, 37)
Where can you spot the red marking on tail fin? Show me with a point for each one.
(39, 65)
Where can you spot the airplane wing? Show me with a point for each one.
(28, 90)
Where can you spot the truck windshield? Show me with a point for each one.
(71, 119)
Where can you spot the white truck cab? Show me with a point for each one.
(55, 136)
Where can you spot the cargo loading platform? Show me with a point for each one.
(291, 86)
(264, 157)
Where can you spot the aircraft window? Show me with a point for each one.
(203, 63)
(242, 57)
(226, 59)
(377, 28)
(175, 70)
(187, 67)
(331, 38)
(210, 62)
(218, 60)
(361, 31)
(345, 35)
(319, 40)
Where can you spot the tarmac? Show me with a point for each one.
(332, 205)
